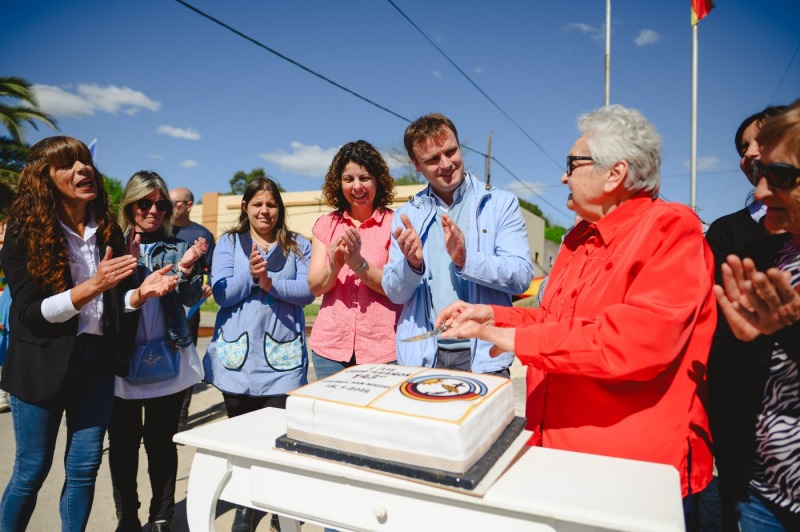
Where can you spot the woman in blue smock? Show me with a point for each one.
(259, 279)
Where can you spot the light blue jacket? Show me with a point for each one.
(498, 265)
(259, 345)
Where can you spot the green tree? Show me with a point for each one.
(15, 115)
(552, 232)
(114, 190)
(240, 180)
(18, 109)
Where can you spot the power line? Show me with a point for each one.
(290, 60)
(558, 165)
(359, 96)
(785, 73)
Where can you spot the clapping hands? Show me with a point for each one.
(754, 302)
(258, 269)
(192, 255)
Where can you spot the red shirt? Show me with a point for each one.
(617, 352)
(353, 318)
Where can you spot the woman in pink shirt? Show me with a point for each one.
(356, 322)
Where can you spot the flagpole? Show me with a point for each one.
(693, 148)
(608, 52)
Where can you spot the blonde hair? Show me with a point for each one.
(140, 185)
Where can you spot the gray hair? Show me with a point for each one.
(615, 133)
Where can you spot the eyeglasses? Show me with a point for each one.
(778, 175)
(177, 203)
(572, 158)
(145, 203)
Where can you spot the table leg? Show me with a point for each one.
(206, 480)
(288, 524)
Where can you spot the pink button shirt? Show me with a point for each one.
(353, 318)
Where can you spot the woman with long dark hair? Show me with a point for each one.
(69, 271)
(259, 279)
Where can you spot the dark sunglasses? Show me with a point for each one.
(572, 158)
(778, 175)
(144, 204)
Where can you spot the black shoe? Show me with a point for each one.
(128, 523)
(243, 519)
(162, 525)
(275, 524)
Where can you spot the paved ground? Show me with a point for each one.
(206, 408)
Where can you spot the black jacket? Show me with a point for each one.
(39, 351)
(738, 372)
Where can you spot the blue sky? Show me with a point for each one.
(165, 89)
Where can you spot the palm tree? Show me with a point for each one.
(14, 116)
(13, 149)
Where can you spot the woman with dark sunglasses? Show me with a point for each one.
(762, 441)
(728, 235)
(147, 404)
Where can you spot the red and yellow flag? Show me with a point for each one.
(701, 8)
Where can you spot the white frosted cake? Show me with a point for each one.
(440, 419)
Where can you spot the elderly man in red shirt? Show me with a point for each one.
(617, 351)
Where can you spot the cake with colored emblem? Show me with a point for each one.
(431, 418)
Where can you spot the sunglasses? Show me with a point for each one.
(144, 204)
(778, 175)
(572, 158)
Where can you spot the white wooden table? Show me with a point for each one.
(544, 489)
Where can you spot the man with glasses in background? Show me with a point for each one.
(185, 229)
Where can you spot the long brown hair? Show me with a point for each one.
(286, 239)
(33, 213)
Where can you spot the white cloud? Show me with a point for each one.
(704, 164)
(525, 190)
(304, 160)
(86, 100)
(436, 74)
(595, 33)
(58, 102)
(478, 70)
(646, 37)
(396, 161)
(179, 133)
(188, 163)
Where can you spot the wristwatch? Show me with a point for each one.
(362, 267)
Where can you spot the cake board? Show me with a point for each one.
(475, 481)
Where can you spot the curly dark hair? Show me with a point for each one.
(363, 153)
(34, 213)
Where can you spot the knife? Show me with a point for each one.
(427, 334)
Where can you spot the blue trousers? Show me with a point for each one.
(86, 401)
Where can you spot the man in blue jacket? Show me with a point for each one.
(458, 239)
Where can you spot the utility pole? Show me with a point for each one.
(608, 52)
(489, 163)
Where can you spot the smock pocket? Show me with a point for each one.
(283, 356)
(232, 354)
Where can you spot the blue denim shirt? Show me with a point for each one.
(188, 291)
(498, 265)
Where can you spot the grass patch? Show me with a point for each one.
(310, 311)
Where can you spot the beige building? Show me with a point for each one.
(219, 213)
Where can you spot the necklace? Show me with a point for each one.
(262, 243)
